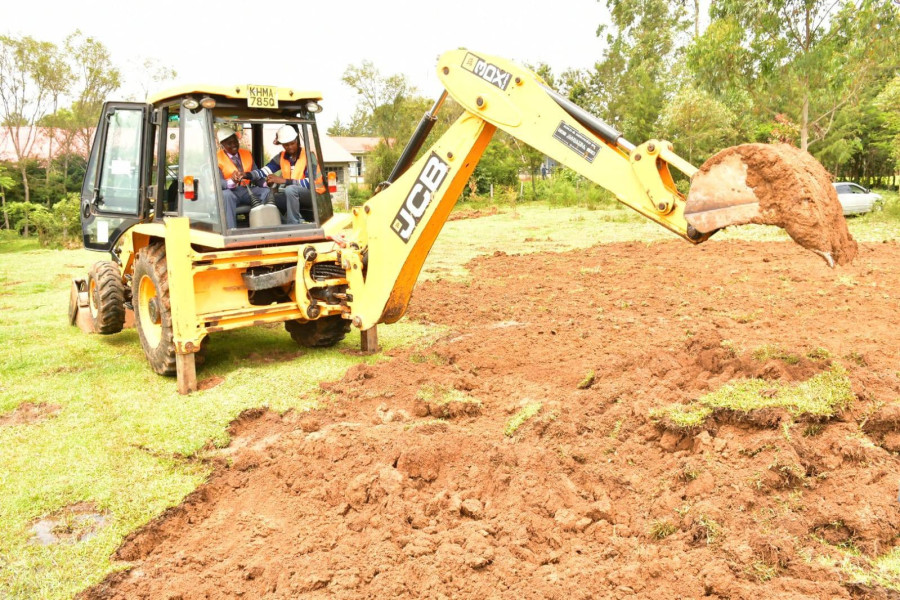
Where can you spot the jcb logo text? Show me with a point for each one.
(420, 196)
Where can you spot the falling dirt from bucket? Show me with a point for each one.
(772, 185)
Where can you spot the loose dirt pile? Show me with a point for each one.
(462, 214)
(408, 486)
(29, 412)
(773, 184)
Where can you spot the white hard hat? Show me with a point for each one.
(223, 133)
(286, 133)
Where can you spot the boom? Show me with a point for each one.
(390, 236)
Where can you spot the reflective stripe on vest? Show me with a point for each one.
(228, 167)
(298, 171)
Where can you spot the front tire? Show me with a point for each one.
(153, 309)
(320, 333)
(106, 297)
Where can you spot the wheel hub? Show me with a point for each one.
(153, 311)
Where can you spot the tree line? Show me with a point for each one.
(52, 94)
(823, 75)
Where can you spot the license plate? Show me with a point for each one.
(262, 96)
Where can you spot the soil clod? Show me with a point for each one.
(772, 184)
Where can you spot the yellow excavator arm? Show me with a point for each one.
(389, 238)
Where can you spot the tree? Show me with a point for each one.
(499, 165)
(631, 82)
(66, 224)
(22, 215)
(888, 101)
(152, 74)
(380, 163)
(530, 159)
(805, 58)
(32, 74)
(64, 129)
(6, 182)
(95, 78)
(338, 128)
(700, 123)
(388, 106)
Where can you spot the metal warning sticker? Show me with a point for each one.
(487, 71)
(576, 141)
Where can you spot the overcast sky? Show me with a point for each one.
(312, 48)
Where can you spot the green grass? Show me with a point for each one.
(661, 529)
(588, 381)
(770, 352)
(11, 241)
(519, 419)
(123, 438)
(820, 397)
(546, 229)
(126, 441)
(883, 571)
(440, 394)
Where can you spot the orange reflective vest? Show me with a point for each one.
(299, 169)
(228, 167)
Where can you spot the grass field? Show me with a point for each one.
(126, 443)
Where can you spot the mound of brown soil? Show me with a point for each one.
(390, 493)
(773, 184)
(468, 213)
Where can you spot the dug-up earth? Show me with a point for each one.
(414, 482)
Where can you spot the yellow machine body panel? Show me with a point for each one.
(241, 92)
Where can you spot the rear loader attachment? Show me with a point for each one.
(771, 185)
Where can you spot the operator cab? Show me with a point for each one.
(154, 160)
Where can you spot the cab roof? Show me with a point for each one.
(236, 91)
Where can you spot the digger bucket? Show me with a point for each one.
(776, 185)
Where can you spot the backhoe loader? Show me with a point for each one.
(153, 198)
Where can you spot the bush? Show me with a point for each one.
(58, 225)
(567, 188)
(380, 164)
(499, 167)
(891, 206)
(358, 195)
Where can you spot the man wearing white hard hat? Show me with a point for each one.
(293, 165)
(240, 187)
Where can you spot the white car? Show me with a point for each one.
(855, 199)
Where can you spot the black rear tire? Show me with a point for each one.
(106, 296)
(320, 333)
(153, 309)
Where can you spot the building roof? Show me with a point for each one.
(359, 145)
(42, 143)
(334, 152)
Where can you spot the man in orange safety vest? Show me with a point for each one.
(293, 166)
(235, 163)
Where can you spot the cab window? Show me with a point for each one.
(197, 162)
(120, 180)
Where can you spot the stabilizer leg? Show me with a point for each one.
(186, 372)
